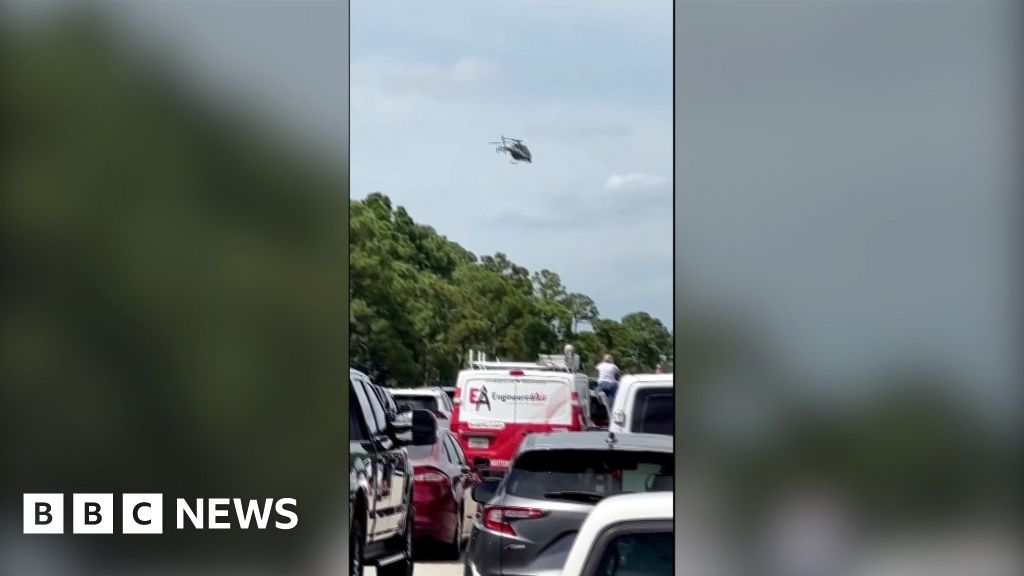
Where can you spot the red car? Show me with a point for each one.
(443, 483)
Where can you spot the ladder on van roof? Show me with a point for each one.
(568, 362)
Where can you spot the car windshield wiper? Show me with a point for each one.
(576, 495)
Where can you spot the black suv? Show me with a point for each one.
(381, 477)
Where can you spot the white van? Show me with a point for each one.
(497, 404)
(644, 403)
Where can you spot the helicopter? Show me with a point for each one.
(514, 148)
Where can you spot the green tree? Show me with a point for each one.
(518, 275)
(420, 302)
(581, 309)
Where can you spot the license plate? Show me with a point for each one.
(479, 443)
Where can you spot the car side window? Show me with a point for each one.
(456, 450)
(362, 397)
(653, 411)
(374, 411)
(382, 398)
(388, 401)
(356, 424)
(636, 553)
(378, 409)
(447, 443)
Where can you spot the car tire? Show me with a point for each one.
(453, 550)
(357, 540)
(402, 567)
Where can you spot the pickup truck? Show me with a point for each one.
(381, 478)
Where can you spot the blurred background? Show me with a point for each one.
(174, 243)
(848, 250)
(847, 287)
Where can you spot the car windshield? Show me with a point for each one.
(589, 475)
(653, 412)
(639, 554)
(418, 402)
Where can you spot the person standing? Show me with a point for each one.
(608, 375)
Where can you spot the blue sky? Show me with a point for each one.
(587, 84)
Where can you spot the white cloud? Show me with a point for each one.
(633, 180)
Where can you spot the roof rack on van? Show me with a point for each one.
(497, 365)
(569, 361)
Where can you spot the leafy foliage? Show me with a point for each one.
(420, 302)
(171, 308)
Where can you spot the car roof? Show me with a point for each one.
(416, 391)
(504, 374)
(634, 382)
(629, 507)
(661, 379)
(596, 440)
(615, 510)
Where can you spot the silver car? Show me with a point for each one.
(530, 517)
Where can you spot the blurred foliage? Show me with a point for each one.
(173, 289)
(420, 302)
(903, 446)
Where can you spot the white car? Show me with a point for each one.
(624, 535)
(433, 399)
(644, 403)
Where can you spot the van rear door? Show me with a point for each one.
(498, 410)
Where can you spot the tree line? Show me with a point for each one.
(419, 302)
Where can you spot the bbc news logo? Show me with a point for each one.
(143, 513)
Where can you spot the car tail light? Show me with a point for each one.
(577, 410)
(429, 476)
(456, 405)
(429, 483)
(515, 372)
(500, 518)
(619, 417)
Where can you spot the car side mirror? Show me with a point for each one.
(424, 428)
(399, 423)
(480, 463)
(484, 491)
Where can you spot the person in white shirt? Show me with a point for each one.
(608, 377)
